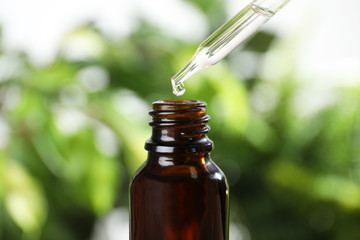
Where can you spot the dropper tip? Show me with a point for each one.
(178, 87)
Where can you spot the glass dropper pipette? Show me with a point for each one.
(226, 38)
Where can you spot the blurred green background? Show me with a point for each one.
(72, 133)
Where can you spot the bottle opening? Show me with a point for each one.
(177, 104)
(178, 101)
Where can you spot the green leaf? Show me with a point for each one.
(25, 201)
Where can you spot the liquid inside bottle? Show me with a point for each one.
(179, 193)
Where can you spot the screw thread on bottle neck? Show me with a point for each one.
(179, 126)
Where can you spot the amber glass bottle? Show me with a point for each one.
(179, 193)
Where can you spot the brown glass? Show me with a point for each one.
(179, 193)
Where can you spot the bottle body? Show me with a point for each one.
(180, 201)
(179, 193)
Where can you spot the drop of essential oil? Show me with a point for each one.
(178, 88)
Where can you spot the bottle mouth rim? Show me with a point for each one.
(178, 102)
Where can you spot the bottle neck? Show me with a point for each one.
(179, 126)
(170, 159)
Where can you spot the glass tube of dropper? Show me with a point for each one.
(226, 38)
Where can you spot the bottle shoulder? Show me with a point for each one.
(193, 171)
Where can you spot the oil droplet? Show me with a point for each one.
(178, 88)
